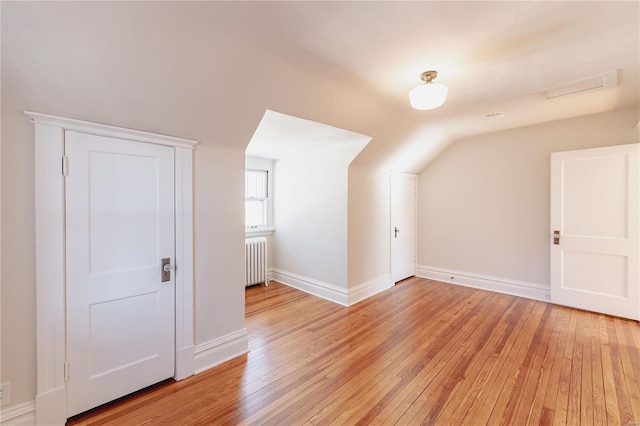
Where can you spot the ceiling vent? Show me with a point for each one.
(600, 81)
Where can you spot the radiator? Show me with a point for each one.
(255, 261)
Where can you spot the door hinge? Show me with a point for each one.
(65, 166)
(66, 371)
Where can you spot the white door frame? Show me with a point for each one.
(50, 254)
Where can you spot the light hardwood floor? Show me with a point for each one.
(422, 352)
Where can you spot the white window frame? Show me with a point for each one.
(267, 165)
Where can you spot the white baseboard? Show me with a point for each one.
(486, 282)
(21, 414)
(330, 292)
(368, 289)
(214, 352)
(321, 289)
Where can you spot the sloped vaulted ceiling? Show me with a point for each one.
(209, 70)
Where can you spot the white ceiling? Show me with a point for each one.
(209, 70)
(484, 51)
(279, 136)
(493, 56)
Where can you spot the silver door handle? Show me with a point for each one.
(167, 267)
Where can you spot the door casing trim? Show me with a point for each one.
(50, 259)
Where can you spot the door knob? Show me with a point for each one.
(395, 232)
(556, 237)
(167, 267)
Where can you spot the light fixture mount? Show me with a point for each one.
(428, 76)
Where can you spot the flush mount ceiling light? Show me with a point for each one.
(429, 95)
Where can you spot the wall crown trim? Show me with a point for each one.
(108, 130)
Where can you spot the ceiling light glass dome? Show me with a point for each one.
(429, 95)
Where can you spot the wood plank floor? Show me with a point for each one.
(422, 352)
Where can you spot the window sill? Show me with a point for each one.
(259, 232)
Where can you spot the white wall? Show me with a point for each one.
(369, 225)
(219, 241)
(483, 205)
(311, 213)
(18, 321)
(65, 59)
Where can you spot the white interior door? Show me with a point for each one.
(403, 225)
(594, 212)
(119, 225)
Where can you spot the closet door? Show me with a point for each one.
(120, 303)
(403, 225)
(595, 222)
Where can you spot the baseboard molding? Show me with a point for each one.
(362, 291)
(330, 292)
(486, 282)
(214, 352)
(21, 414)
(317, 288)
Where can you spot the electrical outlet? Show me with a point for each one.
(5, 393)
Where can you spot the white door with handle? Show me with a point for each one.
(119, 227)
(403, 225)
(595, 242)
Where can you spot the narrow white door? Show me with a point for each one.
(595, 217)
(119, 225)
(403, 225)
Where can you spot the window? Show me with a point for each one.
(256, 198)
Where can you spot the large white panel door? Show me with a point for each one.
(403, 225)
(119, 225)
(595, 256)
